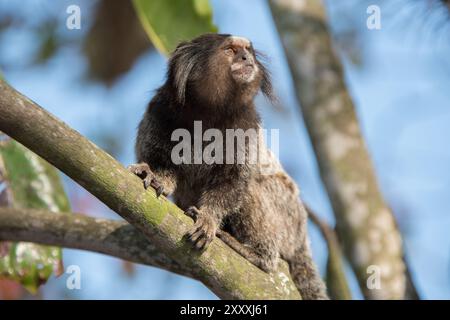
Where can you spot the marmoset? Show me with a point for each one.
(253, 207)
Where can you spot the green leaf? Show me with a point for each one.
(31, 182)
(169, 22)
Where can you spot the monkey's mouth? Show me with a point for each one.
(243, 72)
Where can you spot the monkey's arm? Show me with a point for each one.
(154, 165)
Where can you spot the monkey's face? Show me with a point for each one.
(239, 53)
(217, 69)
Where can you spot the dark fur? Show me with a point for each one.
(262, 212)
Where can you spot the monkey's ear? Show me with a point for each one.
(266, 81)
(266, 84)
(181, 63)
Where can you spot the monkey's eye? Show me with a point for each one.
(230, 50)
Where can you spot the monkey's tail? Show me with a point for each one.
(305, 275)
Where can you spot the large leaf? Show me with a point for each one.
(169, 22)
(31, 182)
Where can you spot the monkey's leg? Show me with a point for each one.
(264, 259)
(162, 182)
(204, 229)
(267, 265)
(213, 205)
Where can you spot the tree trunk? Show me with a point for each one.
(365, 224)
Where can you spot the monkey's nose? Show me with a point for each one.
(242, 56)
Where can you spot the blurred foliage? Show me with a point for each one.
(10, 290)
(446, 2)
(431, 17)
(348, 42)
(46, 31)
(29, 182)
(111, 45)
(129, 268)
(49, 41)
(115, 40)
(169, 22)
(109, 139)
(5, 22)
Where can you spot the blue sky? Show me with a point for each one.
(402, 96)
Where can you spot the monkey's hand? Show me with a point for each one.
(204, 229)
(142, 170)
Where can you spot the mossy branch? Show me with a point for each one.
(77, 231)
(220, 268)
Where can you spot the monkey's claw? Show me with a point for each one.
(192, 212)
(142, 170)
(204, 229)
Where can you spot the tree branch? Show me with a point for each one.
(220, 268)
(77, 231)
(337, 284)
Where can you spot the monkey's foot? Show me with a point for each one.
(142, 170)
(204, 229)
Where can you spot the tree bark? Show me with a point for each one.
(77, 231)
(337, 284)
(364, 222)
(221, 269)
